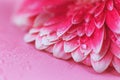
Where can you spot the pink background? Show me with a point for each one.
(21, 61)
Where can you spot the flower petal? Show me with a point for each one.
(63, 27)
(97, 39)
(78, 56)
(110, 5)
(99, 20)
(38, 43)
(78, 17)
(58, 51)
(90, 28)
(34, 30)
(116, 64)
(102, 65)
(69, 36)
(99, 9)
(103, 52)
(115, 50)
(113, 20)
(71, 45)
(29, 37)
(81, 30)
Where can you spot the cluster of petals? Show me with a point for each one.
(88, 31)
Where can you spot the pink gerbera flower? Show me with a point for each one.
(86, 30)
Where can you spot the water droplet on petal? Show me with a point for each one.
(84, 46)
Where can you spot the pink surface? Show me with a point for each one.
(21, 61)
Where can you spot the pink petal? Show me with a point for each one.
(87, 61)
(117, 4)
(113, 20)
(81, 30)
(49, 49)
(97, 39)
(85, 45)
(90, 28)
(99, 20)
(34, 30)
(88, 17)
(69, 36)
(71, 45)
(54, 20)
(58, 51)
(110, 5)
(99, 9)
(63, 27)
(115, 50)
(103, 52)
(78, 17)
(102, 65)
(78, 56)
(48, 29)
(52, 37)
(116, 64)
(41, 18)
(73, 28)
(38, 43)
(117, 36)
(29, 37)
(46, 40)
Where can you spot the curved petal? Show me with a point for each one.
(103, 52)
(117, 4)
(97, 39)
(81, 30)
(113, 20)
(90, 28)
(78, 17)
(115, 50)
(78, 56)
(58, 51)
(69, 36)
(71, 45)
(85, 45)
(110, 5)
(42, 18)
(87, 61)
(63, 27)
(116, 64)
(34, 31)
(100, 20)
(38, 43)
(48, 30)
(99, 9)
(102, 65)
(29, 37)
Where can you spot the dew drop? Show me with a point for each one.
(27, 66)
(84, 46)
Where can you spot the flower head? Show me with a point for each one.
(86, 30)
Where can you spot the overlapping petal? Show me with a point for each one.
(86, 30)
